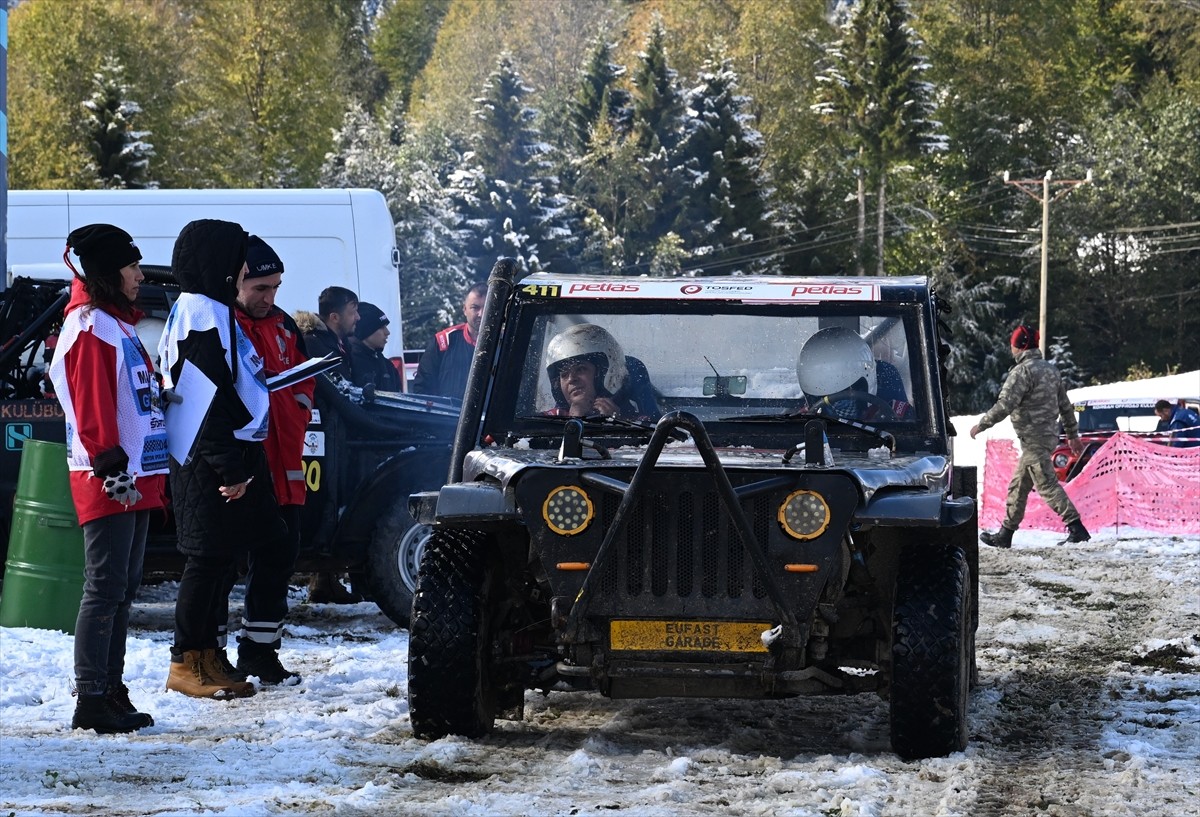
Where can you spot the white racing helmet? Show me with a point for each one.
(834, 360)
(589, 342)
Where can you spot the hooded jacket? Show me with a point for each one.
(105, 381)
(203, 331)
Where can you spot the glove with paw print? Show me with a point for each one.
(121, 487)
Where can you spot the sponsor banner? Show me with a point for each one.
(756, 290)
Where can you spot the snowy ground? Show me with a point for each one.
(1088, 704)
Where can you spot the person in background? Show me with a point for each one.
(337, 315)
(1182, 422)
(277, 339)
(1034, 395)
(117, 458)
(446, 362)
(224, 503)
(368, 364)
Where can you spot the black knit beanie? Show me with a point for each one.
(370, 319)
(261, 260)
(103, 250)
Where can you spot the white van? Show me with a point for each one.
(324, 237)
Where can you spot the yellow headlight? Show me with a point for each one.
(568, 510)
(804, 515)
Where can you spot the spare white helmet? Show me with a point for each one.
(834, 360)
(589, 342)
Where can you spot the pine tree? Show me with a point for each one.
(599, 96)
(433, 276)
(873, 90)
(658, 111)
(509, 202)
(725, 217)
(120, 153)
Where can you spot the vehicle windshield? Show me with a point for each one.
(720, 362)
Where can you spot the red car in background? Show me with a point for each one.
(1099, 419)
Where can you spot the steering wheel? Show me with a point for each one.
(886, 412)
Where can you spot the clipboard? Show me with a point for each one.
(309, 368)
(185, 418)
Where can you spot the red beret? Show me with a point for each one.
(1025, 337)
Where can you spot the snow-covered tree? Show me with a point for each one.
(509, 202)
(599, 96)
(873, 89)
(121, 153)
(433, 273)
(1060, 352)
(658, 112)
(725, 215)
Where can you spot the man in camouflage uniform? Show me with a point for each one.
(1033, 394)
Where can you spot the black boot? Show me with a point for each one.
(118, 696)
(98, 712)
(1076, 532)
(1000, 539)
(262, 661)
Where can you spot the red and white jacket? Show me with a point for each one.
(277, 339)
(105, 380)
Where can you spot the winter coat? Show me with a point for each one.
(320, 340)
(1034, 395)
(371, 366)
(1182, 418)
(203, 330)
(277, 339)
(445, 364)
(106, 383)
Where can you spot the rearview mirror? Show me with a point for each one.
(724, 386)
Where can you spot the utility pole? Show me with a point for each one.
(1030, 186)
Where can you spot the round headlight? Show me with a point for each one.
(804, 515)
(1061, 460)
(567, 510)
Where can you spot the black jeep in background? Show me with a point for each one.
(738, 530)
(364, 453)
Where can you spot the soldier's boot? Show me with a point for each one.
(1076, 532)
(1000, 539)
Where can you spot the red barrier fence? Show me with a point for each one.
(1129, 481)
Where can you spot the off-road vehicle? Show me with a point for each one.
(762, 505)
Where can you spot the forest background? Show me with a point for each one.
(679, 138)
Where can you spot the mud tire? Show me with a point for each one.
(450, 676)
(393, 561)
(932, 646)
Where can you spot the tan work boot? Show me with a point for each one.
(215, 669)
(189, 677)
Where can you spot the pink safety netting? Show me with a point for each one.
(1129, 481)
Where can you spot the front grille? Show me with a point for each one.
(683, 546)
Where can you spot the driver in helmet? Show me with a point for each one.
(588, 375)
(840, 375)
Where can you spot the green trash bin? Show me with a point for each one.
(43, 577)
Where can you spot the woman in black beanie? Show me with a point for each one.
(117, 456)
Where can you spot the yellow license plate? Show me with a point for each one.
(688, 636)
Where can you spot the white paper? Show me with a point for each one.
(185, 418)
(303, 371)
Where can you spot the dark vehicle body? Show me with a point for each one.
(1099, 419)
(709, 550)
(364, 453)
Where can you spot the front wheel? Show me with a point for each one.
(451, 684)
(393, 560)
(932, 645)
